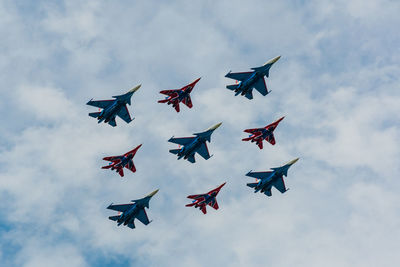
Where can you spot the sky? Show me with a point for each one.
(337, 84)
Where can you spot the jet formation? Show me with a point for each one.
(113, 107)
(194, 144)
(119, 162)
(176, 96)
(201, 201)
(132, 211)
(269, 179)
(189, 146)
(251, 79)
(257, 135)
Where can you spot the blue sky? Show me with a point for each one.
(337, 84)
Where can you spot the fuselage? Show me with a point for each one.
(191, 148)
(264, 134)
(111, 111)
(182, 94)
(207, 199)
(125, 161)
(246, 85)
(266, 183)
(129, 215)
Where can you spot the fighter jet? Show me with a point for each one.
(251, 79)
(201, 201)
(119, 162)
(270, 178)
(113, 107)
(176, 96)
(259, 134)
(191, 145)
(132, 211)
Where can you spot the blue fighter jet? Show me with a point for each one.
(270, 178)
(191, 145)
(132, 211)
(112, 108)
(251, 79)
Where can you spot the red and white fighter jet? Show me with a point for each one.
(201, 201)
(174, 97)
(119, 162)
(257, 135)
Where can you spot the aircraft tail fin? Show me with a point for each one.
(190, 204)
(232, 86)
(252, 185)
(114, 218)
(174, 151)
(94, 114)
(247, 139)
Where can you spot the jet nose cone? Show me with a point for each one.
(216, 126)
(272, 61)
(153, 193)
(198, 79)
(135, 89)
(292, 162)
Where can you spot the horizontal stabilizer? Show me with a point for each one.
(268, 192)
(249, 94)
(94, 114)
(112, 122)
(163, 100)
(174, 151)
(191, 158)
(252, 185)
(190, 204)
(114, 218)
(232, 86)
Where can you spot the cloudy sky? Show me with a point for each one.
(337, 83)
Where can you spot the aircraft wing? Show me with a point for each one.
(260, 175)
(131, 166)
(271, 139)
(203, 151)
(197, 197)
(188, 102)
(254, 130)
(239, 76)
(169, 92)
(280, 185)
(181, 141)
(142, 216)
(123, 113)
(113, 158)
(214, 204)
(100, 103)
(120, 207)
(260, 86)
